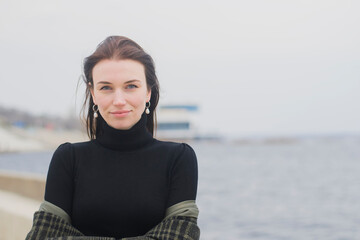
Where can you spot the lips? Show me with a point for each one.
(120, 113)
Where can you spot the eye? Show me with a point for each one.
(105, 88)
(131, 86)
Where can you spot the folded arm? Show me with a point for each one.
(52, 223)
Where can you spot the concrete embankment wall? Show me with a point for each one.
(20, 196)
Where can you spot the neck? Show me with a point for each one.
(123, 140)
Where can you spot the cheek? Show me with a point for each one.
(103, 102)
(138, 101)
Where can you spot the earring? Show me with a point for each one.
(95, 108)
(147, 105)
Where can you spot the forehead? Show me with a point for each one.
(118, 70)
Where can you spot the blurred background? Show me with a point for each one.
(266, 92)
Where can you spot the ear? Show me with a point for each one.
(148, 95)
(92, 92)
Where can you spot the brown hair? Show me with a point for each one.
(117, 48)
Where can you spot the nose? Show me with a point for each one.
(119, 98)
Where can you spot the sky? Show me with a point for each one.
(253, 67)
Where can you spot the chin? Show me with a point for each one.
(121, 126)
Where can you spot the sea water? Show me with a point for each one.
(304, 189)
(308, 189)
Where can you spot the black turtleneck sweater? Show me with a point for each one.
(121, 183)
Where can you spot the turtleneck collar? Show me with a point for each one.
(124, 140)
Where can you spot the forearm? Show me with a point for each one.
(176, 227)
(180, 222)
(51, 227)
(48, 225)
(52, 223)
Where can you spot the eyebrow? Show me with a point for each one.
(103, 82)
(134, 80)
(130, 81)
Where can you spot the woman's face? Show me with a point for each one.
(120, 91)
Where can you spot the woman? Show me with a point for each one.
(123, 183)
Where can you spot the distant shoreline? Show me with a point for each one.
(14, 139)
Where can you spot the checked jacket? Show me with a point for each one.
(49, 226)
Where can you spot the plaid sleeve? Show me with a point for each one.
(81, 238)
(48, 226)
(173, 228)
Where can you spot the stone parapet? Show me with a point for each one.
(20, 196)
(27, 185)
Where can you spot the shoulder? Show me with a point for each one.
(177, 148)
(65, 152)
(181, 154)
(63, 149)
(68, 147)
(186, 151)
(62, 161)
